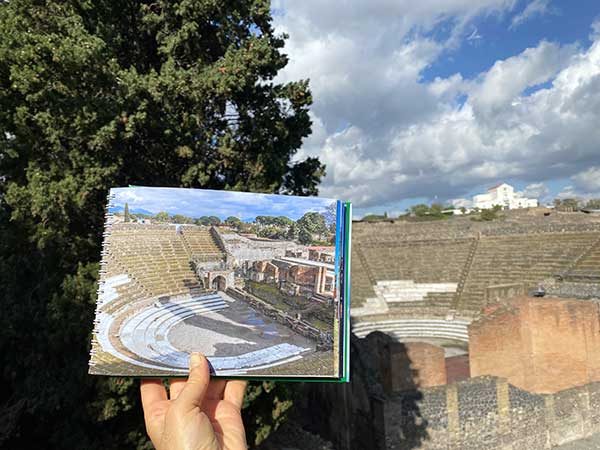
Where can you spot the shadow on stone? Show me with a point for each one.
(352, 415)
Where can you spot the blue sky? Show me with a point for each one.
(202, 202)
(494, 38)
(437, 100)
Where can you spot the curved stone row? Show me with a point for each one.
(413, 328)
(145, 333)
(108, 288)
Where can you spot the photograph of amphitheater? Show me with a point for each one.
(249, 280)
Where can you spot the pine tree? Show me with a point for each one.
(126, 217)
(104, 93)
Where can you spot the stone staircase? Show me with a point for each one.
(464, 275)
(586, 267)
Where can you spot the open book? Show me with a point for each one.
(258, 283)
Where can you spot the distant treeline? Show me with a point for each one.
(311, 228)
(437, 211)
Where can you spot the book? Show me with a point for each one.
(258, 283)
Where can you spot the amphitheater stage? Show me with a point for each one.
(156, 339)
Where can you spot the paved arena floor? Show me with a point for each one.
(232, 331)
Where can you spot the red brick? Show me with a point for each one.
(541, 345)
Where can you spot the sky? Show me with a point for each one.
(196, 203)
(437, 100)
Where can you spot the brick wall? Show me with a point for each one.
(541, 345)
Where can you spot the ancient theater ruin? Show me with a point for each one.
(169, 289)
(484, 334)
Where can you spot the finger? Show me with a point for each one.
(215, 390)
(153, 392)
(234, 392)
(193, 392)
(175, 387)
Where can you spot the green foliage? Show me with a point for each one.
(207, 221)
(310, 224)
(116, 93)
(280, 221)
(420, 210)
(304, 236)
(266, 407)
(162, 217)
(181, 219)
(425, 212)
(275, 227)
(126, 215)
(233, 221)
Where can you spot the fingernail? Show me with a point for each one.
(195, 360)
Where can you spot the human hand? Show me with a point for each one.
(200, 415)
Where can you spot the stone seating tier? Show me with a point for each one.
(155, 256)
(421, 262)
(519, 259)
(588, 267)
(415, 328)
(201, 241)
(527, 258)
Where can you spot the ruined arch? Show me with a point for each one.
(219, 283)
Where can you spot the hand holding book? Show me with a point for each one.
(199, 414)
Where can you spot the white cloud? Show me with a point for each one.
(386, 135)
(585, 186)
(536, 190)
(502, 84)
(588, 180)
(533, 9)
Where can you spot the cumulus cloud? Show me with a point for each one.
(386, 134)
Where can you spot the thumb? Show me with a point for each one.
(195, 388)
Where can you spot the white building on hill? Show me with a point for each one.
(505, 196)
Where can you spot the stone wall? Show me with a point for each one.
(481, 413)
(571, 289)
(324, 339)
(541, 345)
(500, 292)
(488, 413)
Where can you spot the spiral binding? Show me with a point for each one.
(108, 222)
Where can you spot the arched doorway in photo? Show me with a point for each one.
(219, 283)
